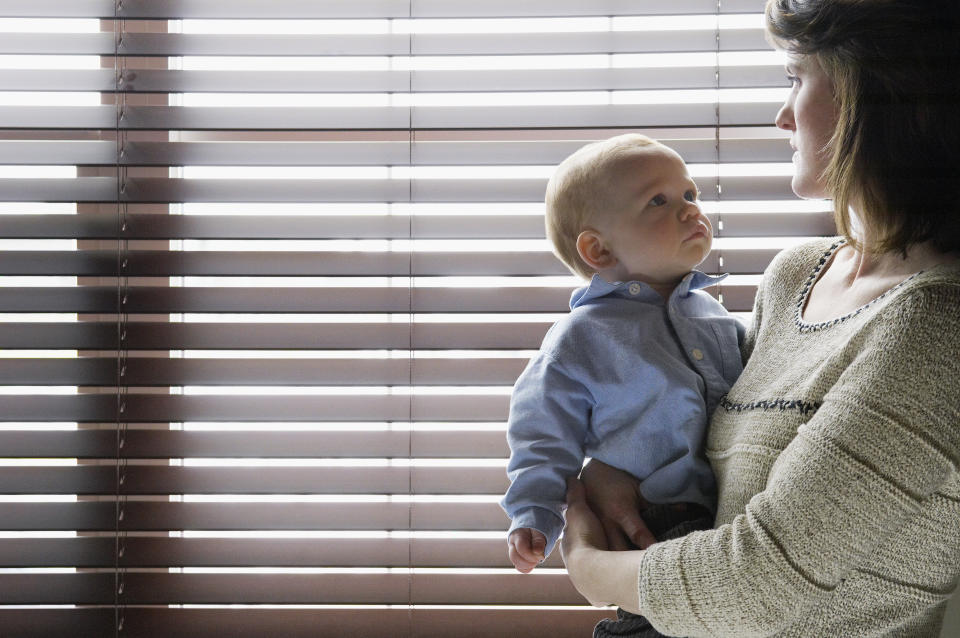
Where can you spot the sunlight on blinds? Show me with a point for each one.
(269, 270)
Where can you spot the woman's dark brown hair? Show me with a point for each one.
(895, 70)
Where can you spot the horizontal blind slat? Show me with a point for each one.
(189, 336)
(146, 552)
(268, 226)
(58, 516)
(495, 153)
(143, 299)
(164, 516)
(190, 44)
(466, 80)
(259, 372)
(158, 190)
(429, 623)
(389, 118)
(272, 443)
(334, 9)
(88, 622)
(336, 263)
(539, 588)
(292, 300)
(253, 264)
(174, 408)
(151, 479)
(147, 622)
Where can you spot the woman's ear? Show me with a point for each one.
(594, 251)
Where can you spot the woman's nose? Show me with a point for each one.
(784, 117)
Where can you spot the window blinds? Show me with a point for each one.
(268, 273)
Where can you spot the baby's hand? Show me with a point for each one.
(525, 546)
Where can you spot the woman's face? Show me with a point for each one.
(810, 114)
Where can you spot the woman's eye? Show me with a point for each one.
(659, 200)
(794, 80)
(691, 195)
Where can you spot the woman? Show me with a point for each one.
(838, 450)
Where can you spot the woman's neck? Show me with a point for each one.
(869, 264)
(866, 264)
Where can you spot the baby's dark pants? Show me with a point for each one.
(665, 522)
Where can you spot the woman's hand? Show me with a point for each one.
(614, 495)
(583, 535)
(602, 577)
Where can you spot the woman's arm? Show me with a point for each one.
(882, 442)
(603, 577)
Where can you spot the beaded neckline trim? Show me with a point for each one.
(804, 407)
(802, 325)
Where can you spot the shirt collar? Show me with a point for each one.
(639, 291)
(696, 280)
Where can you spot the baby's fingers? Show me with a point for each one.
(526, 548)
(522, 564)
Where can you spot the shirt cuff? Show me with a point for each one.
(542, 520)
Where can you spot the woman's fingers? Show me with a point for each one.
(634, 527)
(616, 539)
(582, 525)
(615, 496)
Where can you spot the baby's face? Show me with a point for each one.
(656, 229)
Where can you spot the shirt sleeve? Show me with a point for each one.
(882, 442)
(549, 415)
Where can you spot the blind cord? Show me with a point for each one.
(411, 137)
(122, 299)
(719, 229)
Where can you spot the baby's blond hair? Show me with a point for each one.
(582, 187)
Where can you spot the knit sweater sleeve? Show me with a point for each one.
(884, 439)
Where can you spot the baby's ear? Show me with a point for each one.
(594, 251)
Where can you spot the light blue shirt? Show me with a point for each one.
(627, 379)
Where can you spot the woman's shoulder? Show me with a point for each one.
(921, 319)
(943, 279)
(803, 258)
(932, 295)
(794, 267)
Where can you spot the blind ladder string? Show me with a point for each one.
(411, 137)
(122, 321)
(719, 187)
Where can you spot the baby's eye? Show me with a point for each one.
(691, 195)
(658, 200)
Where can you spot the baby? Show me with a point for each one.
(631, 374)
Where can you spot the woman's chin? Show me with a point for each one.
(807, 188)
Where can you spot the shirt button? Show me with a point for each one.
(697, 354)
(635, 288)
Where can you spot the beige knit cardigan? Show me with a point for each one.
(837, 455)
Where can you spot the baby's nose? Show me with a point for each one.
(689, 210)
